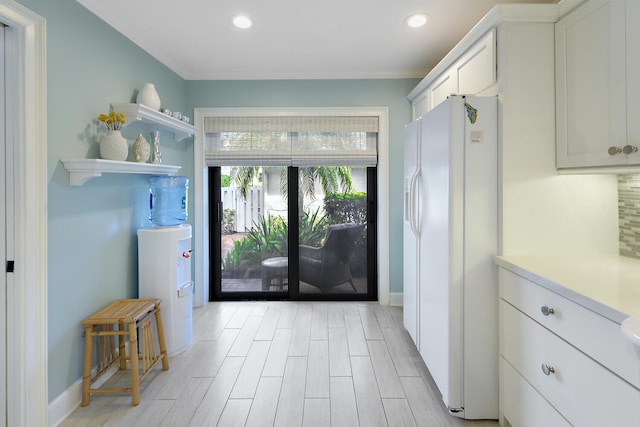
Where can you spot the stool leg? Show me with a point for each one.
(133, 357)
(86, 373)
(122, 353)
(161, 342)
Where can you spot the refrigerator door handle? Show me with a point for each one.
(413, 203)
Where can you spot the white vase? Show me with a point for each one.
(113, 146)
(149, 97)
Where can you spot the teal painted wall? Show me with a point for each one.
(92, 228)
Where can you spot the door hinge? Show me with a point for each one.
(10, 266)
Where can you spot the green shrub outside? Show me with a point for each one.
(268, 238)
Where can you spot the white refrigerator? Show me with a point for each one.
(450, 239)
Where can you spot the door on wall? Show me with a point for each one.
(279, 232)
(4, 226)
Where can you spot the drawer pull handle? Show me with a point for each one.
(547, 310)
(548, 370)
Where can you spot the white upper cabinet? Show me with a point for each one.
(476, 69)
(445, 85)
(597, 74)
(470, 74)
(633, 71)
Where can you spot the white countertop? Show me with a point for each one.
(606, 284)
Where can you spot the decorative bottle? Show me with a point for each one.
(156, 156)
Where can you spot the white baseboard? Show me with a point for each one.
(395, 299)
(67, 401)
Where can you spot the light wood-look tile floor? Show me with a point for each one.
(285, 363)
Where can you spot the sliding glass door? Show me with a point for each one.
(292, 233)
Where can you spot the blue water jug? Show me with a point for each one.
(168, 200)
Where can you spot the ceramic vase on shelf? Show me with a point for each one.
(149, 97)
(113, 146)
(141, 149)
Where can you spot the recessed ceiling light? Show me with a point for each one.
(242, 21)
(417, 20)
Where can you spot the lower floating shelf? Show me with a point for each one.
(81, 170)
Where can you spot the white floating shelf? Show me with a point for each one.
(137, 112)
(81, 170)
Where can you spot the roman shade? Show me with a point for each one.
(291, 141)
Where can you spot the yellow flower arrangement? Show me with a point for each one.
(112, 121)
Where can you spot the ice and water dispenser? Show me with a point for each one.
(164, 259)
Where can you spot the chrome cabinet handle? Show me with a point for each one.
(547, 310)
(548, 370)
(614, 150)
(628, 149)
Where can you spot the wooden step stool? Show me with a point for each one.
(123, 318)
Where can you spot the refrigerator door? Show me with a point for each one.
(410, 246)
(480, 247)
(458, 240)
(440, 262)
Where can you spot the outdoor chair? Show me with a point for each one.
(327, 266)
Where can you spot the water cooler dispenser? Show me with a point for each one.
(164, 259)
(164, 271)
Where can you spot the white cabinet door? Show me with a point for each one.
(445, 85)
(633, 72)
(476, 69)
(590, 86)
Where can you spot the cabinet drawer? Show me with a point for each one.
(582, 390)
(521, 404)
(597, 336)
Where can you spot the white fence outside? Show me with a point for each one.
(247, 211)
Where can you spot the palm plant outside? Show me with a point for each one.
(332, 179)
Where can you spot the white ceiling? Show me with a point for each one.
(294, 39)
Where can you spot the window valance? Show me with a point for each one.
(295, 141)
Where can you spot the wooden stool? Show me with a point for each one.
(123, 318)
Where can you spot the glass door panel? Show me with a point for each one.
(254, 230)
(332, 232)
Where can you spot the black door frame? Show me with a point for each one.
(216, 210)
